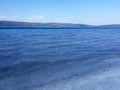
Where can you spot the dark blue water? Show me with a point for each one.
(36, 57)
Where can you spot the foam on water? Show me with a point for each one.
(107, 79)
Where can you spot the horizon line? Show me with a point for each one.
(57, 22)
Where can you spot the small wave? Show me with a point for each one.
(107, 79)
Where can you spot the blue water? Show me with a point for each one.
(32, 58)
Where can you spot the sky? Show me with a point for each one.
(94, 12)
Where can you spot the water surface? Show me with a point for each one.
(31, 58)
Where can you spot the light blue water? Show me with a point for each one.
(36, 57)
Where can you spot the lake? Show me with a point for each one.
(58, 59)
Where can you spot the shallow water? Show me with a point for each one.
(31, 58)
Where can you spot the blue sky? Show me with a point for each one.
(94, 12)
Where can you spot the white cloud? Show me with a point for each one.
(3, 17)
(18, 18)
(14, 17)
(40, 17)
(8, 17)
(33, 18)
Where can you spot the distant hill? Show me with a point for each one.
(109, 26)
(13, 24)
